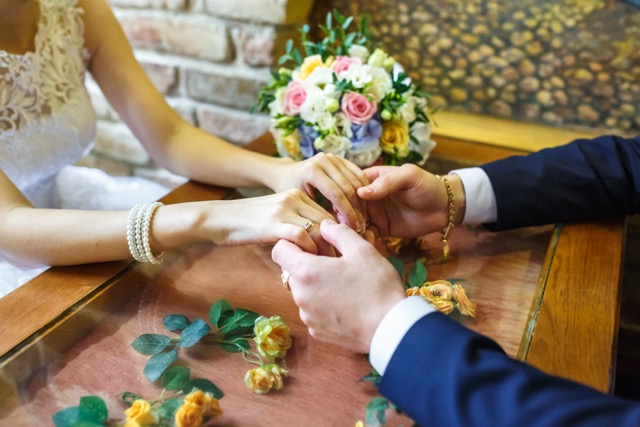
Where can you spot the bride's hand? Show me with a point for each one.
(291, 215)
(336, 178)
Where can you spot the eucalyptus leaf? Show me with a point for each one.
(175, 322)
(398, 265)
(418, 274)
(193, 333)
(217, 310)
(67, 417)
(159, 363)
(93, 408)
(204, 385)
(169, 407)
(151, 344)
(376, 411)
(175, 378)
(85, 423)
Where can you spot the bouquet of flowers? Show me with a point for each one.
(346, 97)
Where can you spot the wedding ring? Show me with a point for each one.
(285, 279)
(309, 225)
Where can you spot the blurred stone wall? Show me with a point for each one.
(208, 58)
(569, 63)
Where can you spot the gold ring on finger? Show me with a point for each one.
(309, 225)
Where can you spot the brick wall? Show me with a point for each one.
(209, 58)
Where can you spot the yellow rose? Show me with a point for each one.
(440, 289)
(393, 244)
(441, 305)
(131, 423)
(204, 402)
(395, 136)
(260, 380)
(309, 64)
(214, 408)
(188, 416)
(272, 337)
(413, 291)
(278, 373)
(359, 424)
(465, 306)
(140, 413)
(291, 144)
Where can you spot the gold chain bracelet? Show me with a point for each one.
(452, 215)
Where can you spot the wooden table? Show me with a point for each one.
(548, 295)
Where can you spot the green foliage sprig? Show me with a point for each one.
(232, 329)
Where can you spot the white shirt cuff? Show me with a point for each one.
(481, 200)
(393, 328)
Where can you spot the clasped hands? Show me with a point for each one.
(342, 299)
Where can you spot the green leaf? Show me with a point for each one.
(218, 309)
(347, 22)
(129, 398)
(193, 333)
(376, 411)
(169, 407)
(241, 322)
(84, 423)
(175, 322)
(175, 378)
(93, 408)
(398, 265)
(151, 344)
(159, 363)
(67, 417)
(204, 385)
(237, 346)
(418, 274)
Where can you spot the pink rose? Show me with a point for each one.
(294, 97)
(358, 108)
(343, 63)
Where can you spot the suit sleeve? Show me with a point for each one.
(443, 374)
(583, 180)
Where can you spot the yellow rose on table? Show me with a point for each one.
(259, 380)
(204, 402)
(139, 413)
(395, 138)
(188, 416)
(465, 306)
(272, 336)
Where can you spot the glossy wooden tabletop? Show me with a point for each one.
(548, 295)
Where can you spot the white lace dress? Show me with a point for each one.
(47, 123)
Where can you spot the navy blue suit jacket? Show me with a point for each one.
(586, 179)
(443, 374)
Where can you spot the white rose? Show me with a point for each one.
(343, 125)
(319, 78)
(359, 51)
(358, 75)
(277, 105)
(332, 143)
(408, 110)
(381, 83)
(364, 158)
(422, 133)
(314, 110)
(379, 58)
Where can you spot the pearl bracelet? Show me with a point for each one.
(138, 229)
